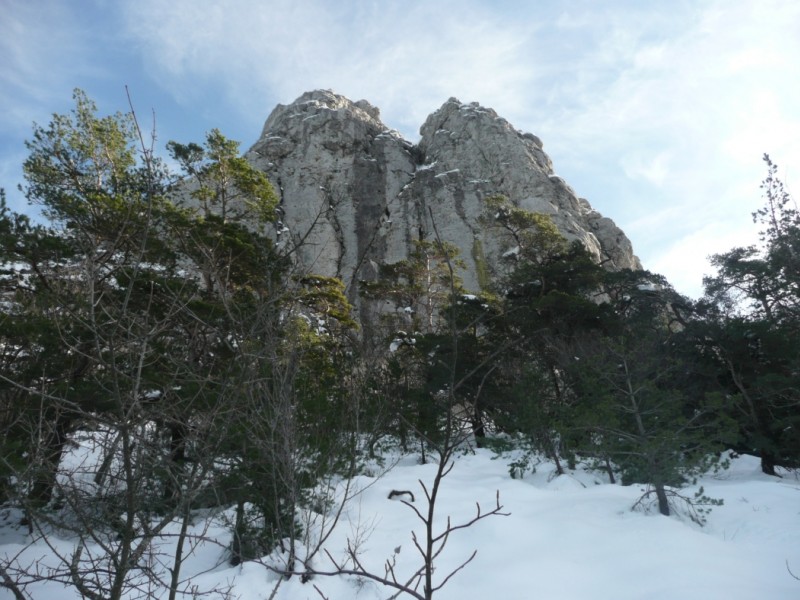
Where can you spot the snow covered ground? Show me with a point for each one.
(572, 537)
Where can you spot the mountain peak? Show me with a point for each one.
(355, 194)
(318, 101)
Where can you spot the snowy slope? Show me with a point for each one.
(572, 537)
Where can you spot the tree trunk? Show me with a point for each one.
(177, 460)
(177, 563)
(611, 478)
(663, 502)
(238, 534)
(553, 452)
(478, 427)
(768, 463)
(52, 450)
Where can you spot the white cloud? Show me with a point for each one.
(405, 58)
(653, 169)
(681, 103)
(44, 49)
(35, 52)
(685, 261)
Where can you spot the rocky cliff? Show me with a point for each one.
(354, 193)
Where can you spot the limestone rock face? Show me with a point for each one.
(354, 193)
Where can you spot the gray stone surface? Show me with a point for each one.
(355, 193)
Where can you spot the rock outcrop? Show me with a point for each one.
(355, 194)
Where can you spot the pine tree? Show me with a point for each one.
(154, 315)
(751, 318)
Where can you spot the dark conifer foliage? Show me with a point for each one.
(153, 314)
(750, 322)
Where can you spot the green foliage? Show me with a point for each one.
(696, 507)
(82, 169)
(325, 298)
(634, 412)
(223, 183)
(418, 286)
(764, 280)
(594, 370)
(152, 303)
(552, 280)
(536, 238)
(222, 205)
(481, 267)
(521, 465)
(750, 319)
(428, 354)
(547, 298)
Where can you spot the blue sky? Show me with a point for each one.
(657, 112)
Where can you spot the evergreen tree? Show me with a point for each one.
(548, 297)
(636, 415)
(156, 312)
(751, 320)
(415, 292)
